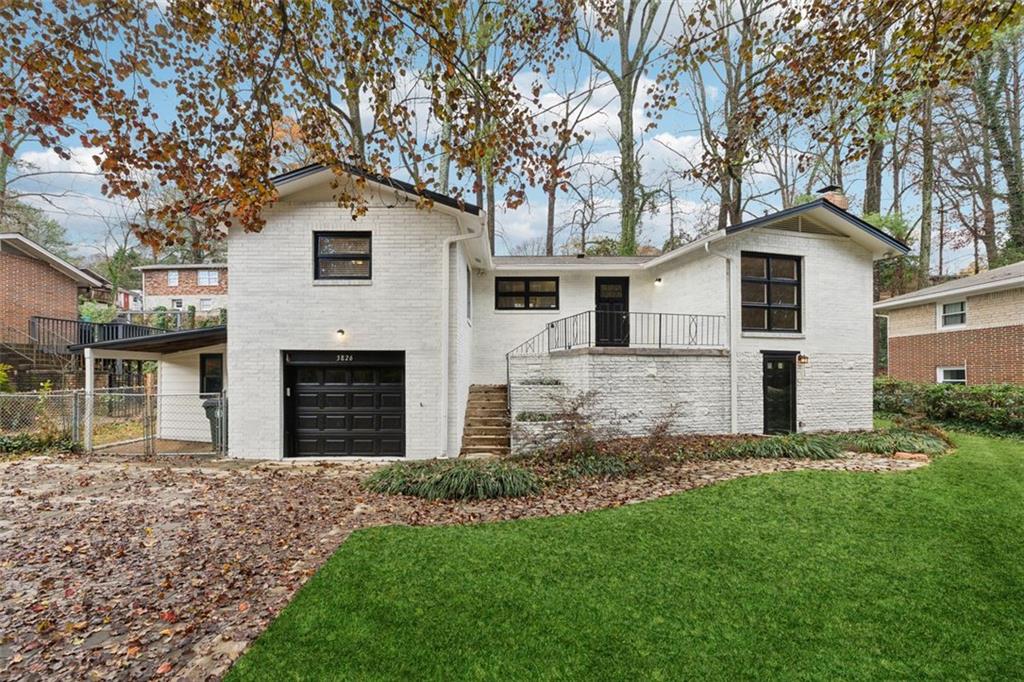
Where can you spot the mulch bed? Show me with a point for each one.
(128, 569)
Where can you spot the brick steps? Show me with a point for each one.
(487, 422)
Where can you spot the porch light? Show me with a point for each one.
(341, 334)
(802, 359)
(658, 282)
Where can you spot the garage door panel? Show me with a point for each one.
(351, 410)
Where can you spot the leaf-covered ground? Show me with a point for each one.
(111, 568)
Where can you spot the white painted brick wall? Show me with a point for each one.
(276, 306)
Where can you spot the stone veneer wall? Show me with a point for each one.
(634, 390)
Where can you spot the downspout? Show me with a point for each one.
(445, 315)
(730, 332)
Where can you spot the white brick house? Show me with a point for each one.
(376, 328)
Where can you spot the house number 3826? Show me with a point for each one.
(343, 357)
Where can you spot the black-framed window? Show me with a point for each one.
(342, 255)
(526, 293)
(211, 373)
(770, 292)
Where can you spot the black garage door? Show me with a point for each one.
(345, 404)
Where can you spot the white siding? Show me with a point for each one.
(276, 305)
(180, 413)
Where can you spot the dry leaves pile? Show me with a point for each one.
(135, 569)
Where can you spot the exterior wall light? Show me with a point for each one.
(802, 359)
(341, 334)
(658, 282)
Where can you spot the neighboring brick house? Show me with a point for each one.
(36, 283)
(176, 287)
(399, 334)
(968, 330)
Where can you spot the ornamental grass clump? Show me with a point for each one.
(890, 441)
(795, 446)
(598, 466)
(454, 480)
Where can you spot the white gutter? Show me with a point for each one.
(445, 332)
(729, 330)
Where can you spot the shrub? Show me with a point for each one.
(598, 466)
(892, 440)
(795, 446)
(28, 442)
(6, 385)
(994, 407)
(454, 480)
(534, 417)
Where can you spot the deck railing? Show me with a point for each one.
(54, 335)
(626, 329)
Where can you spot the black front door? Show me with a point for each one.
(612, 306)
(340, 404)
(779, 392)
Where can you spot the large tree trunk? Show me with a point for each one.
(924, 260)
(549, 242)
(876, 139)
(995, 118)
(629, 175)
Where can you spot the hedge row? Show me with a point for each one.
(997, 407)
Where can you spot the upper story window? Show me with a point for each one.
(953, 314)
(208, 278)
(172, 278)
(951, 375)
(770, 292)
(342, 255)
(526, 293)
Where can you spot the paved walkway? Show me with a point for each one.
(128, 569)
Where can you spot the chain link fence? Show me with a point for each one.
(130, 421)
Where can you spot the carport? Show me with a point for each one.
(190, 365)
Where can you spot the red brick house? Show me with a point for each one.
(203, 286)
(35, 282)
(966, 331)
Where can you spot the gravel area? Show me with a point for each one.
(112, 568)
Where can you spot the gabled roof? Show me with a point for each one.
(836, 218)
(24, 245)
(282, 180)
(999, 279)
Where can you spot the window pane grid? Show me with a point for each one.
(526, 293)
(770, 292)
(343, 255)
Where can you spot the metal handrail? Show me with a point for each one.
(628, 329)
(55, 334)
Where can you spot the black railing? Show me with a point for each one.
(54, 335)
(627, 329)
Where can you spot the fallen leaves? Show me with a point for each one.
(186, 606)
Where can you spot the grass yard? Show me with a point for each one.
(805, 575)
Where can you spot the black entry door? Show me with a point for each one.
(345, 404)
(612, 306)
(779, 392)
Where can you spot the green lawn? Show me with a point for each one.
(805, 575)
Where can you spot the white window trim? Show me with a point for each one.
(176, 278)
(205, 305)
(177, 307)
(939, 371)
(209, 273)
(938, 315)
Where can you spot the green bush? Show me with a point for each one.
(454, 480)
(795, 446)
(28, 442)
(6, 385)
(892, 440)
(993, 407)
(598, 466)
(534, 417)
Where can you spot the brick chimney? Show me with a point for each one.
(834, 195)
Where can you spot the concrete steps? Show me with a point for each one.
(487, 422)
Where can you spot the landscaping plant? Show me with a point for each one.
(997, 408)
(454, 480)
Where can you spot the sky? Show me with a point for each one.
(73, 196)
